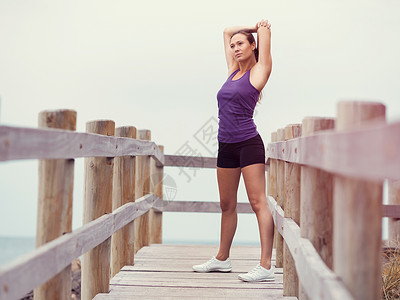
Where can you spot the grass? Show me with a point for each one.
(391, 271)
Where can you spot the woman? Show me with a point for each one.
(241, 149)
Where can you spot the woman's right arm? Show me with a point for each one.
(229, 55)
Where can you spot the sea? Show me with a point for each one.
(13, 247)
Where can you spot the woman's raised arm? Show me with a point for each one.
(263, 67)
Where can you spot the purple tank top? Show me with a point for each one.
(236, 102)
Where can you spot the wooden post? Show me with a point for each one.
(316, 210)
(54, 216)
(97, 202)
(280, 200)
(122, 241)
(358, 215)
(292, 210)
(142, 187)
(156, 187)
(394, 223)
(272, 184)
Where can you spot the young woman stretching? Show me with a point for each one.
(241, 149)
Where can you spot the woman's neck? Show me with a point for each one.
(246, 65)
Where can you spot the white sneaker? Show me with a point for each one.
(214, 265)
(259, 274)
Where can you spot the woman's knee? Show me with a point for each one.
(258, 202)
(228, 205)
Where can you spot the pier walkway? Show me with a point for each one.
(334, 167)
(165, 271)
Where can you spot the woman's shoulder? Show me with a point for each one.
(232, 73)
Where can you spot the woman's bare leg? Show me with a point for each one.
(254, 180)
(228, 182)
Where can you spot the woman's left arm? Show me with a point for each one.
(263, 67)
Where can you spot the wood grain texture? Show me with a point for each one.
(142, 187)
(316, 211)
(156, 188)
(318, 281)
(98, 186)
(394, 202)
(280, 185)
(158, 273)
(358, 215)
(348, 153)
(25, 273)
(190, 161)
(54, 214)
(199, 206)
(122, 241)
(31, 143)
(316, 198)
(272, 184)
(292, 210)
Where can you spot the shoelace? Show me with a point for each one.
(206, 264)
(255, 270)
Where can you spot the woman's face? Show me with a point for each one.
(241, 48)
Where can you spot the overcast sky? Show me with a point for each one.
(158, 65)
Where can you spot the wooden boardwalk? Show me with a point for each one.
(165, 271)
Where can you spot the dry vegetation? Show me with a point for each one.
(391, 271)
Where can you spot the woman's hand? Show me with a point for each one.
(263, 23)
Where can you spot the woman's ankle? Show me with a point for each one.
(222, 257)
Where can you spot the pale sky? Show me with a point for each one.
(158, 65)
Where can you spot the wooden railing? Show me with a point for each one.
(307, 172)
(123, 187)
(325, 193)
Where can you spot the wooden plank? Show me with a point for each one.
(142, 187)
(349, 153)
(357, 219)
(319, 282)
(23, 274)
(201, 206)
(202, 251)
(190, 161)
(391, 211)
(154, 277)
(32, 143)
(155, 292)
(54, 214)
(122, 241)
(97, 201)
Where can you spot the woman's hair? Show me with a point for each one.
(250, 38)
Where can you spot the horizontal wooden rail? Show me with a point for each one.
(189, 161)
(33, 269)
(32, 143)
(370, 153)
(318, 280)
(200, 206)
(391, 211)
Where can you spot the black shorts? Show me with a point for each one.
(241, 154)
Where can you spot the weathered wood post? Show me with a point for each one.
(280, 200)
(156, 187)
(292, 210)
(272, 184)
(54, 216)
(122, 241)
(316, 210)
(394, 223)
(358, 214)
(97, 202)
(142, 187)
